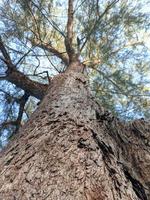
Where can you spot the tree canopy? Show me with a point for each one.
(38, 38)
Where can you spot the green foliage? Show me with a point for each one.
(122, 70)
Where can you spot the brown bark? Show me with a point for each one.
(73, 56)
(71, 149)
(33, 88)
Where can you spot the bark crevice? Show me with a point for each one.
(137, 186)
(101, 144)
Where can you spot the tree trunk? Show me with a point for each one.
(72, 149)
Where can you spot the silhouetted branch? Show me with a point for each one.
(16, 77)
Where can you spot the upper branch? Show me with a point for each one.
(49, 48)
(109, 6)
(50, 21)
(69, 36)
(70, 22)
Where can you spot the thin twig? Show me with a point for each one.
(97, 21)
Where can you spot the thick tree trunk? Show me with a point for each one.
(71, 149)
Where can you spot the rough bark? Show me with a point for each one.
(72, 149)
(33, 88)
(69, 36)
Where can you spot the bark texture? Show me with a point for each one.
(33, 88)
(72, 149)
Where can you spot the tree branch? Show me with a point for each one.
(108, 79)
(7, 123)
(51, 22)
(16, 77)
(22, 101)
(109, 6)
(52, 50)
(16, 123)
(2, 78)
(33, 88)
(69, 37)
(70, 23)
(20, 60)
